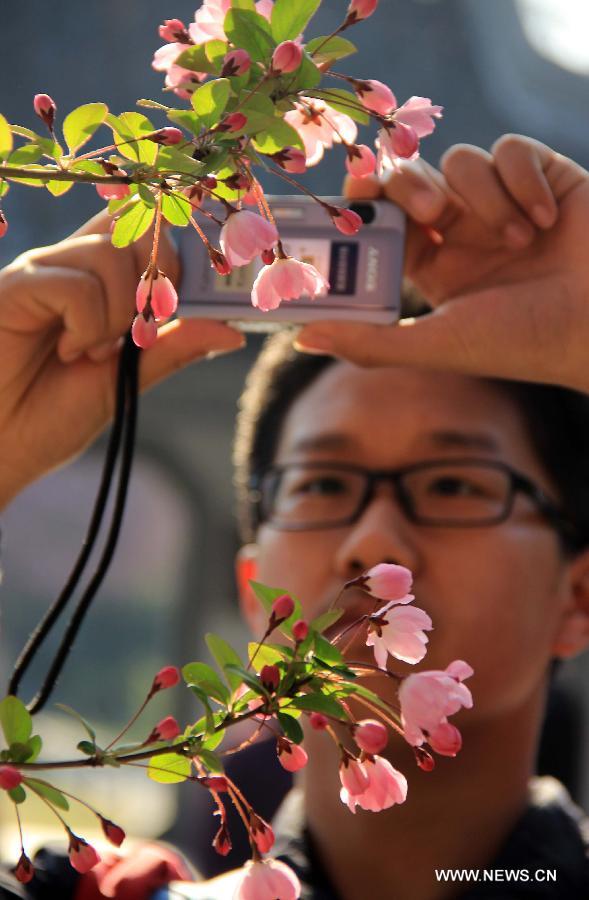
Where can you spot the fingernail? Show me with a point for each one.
(223, 351)
(543, 216)
(517, 235)
(313, 342)
(103, 351)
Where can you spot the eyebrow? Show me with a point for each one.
(446, 439)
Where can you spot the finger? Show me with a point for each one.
(101, 223)
(521, 164)
(369, 188)
(184, 341)
(422, 192)
(471, 174)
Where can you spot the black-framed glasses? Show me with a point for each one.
(465, 492)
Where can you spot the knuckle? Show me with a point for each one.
(458, 156)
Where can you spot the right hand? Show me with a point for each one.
(63, 310)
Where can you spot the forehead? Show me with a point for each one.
(384, 417)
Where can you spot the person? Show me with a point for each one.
(508, 595)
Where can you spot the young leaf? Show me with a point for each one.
(5, 138)
(307, 76)
(326, 620)
(172, 160)
(57, 188)
(224, 654)
(205, 677)
(16, 721)
(290, 18)
(127, 129)
(320, 703)
(267, 655)
(326, 652)
(176, 209)
(87, 165)
(152, 104)
(211, 761)
(209, 100)
(132, 224)
(46, 790)
(169, 768)
(196, 60)
(244, 4)
(267, 595)
(278, 136)
(251, 32)
(76, 715)
(25, 156)
(18, 794)
(329, 49)
(291, 728)
(213, 740)
(81, 123)
(34, 746)
(204, 699)
(186, 118)
(250, 679)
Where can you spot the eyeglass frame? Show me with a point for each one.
(518, 483)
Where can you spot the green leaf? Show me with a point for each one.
(267, 655)
(187, 119)
(145, 194)
(76, 715)
(211, 761)
(210, 99)
(174, 161)
(327, 652)
(127, 129)
(81, 123)
(224, 655)
(320, 703)
(25, 156)
(176, 209)
(169, 768)
(34, 746)
(132, 224)
(244, 4)
(250, 679)
(46, 790)
(356, 688)
(344, 101)
(267, 595)
(213, 740)
(5, 138)
(326, 620)
(57, 188)
(18, 794)
(204, 699)
(330, 48)
(291, 728)
(277, 137)
(196, 59)
(4, 187)
(250, 31)
(87, 165)
(216, 51)
(16, 721)
(260, 113)
(307, 76)
(87, 747)
(205, 677)
(25, 752)
(290, 17)
(152, 104)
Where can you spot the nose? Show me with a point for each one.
(381, 534)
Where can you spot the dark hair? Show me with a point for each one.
(556, 419)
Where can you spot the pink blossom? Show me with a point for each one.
(397, 141)
(233, 122)
(10, 778)
(236, 62)
(208, 21)
(166, 56)
(264, 8)
(287, 57)
(286, 279)
(83, 856)
(345, 220)
(361, 9)
(282, 607)
(400, 631)
(167, 136)
(419, 114)
(114, 833)
(244, 235)
(353, 775)
(183, 81)
(3, 224)
(261, 832)
(24, 870)
(371, 735)
(291, 159)
(427, 698)
(45, 108)
(291, 756)
(112, 191)
(270, 677)
(167, 677)
(445, 739)
(387, 581)
(320, 126)
(268, 879)
(386, 786)
(144, 331)
(318, 721)
(300, 630)
(165, 730)
(173, 30)
(160, 291)
(360, 160)
(376, 96)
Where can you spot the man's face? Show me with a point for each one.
(496, 594)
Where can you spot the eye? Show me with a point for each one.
(322, 485)
(455, 486)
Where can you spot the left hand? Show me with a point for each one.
(134, 877)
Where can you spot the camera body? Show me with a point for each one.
(364, 270)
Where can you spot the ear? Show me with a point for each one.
(246, 570)
(573, 634)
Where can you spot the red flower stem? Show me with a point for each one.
(19, 823)
(333, 34)
(156, 234)
(131, 722)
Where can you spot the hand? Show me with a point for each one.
(509, 284)
(63, 310)
(133, 877)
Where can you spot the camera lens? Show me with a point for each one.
(366, 211)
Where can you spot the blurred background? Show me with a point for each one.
(510, 65)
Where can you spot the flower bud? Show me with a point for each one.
(160, 291)
(209, 182)
(219, 261)
(387, 581)
(261, 833)
(376, 96)
(10, 778)
(318, 721)
(3, 224)
(24, 870)
(237, 62)
(291, 159)
(234, 122)
(270, 677)
(403, 139)
(287, 57)
(165, 730)
(300, 630)
(222, 841)
(360, 9)
(83, 856)
(360, 160)
(144, 331)
(45, 109)
(424, 759)
(174, 31)
(217, 783)
(345, 220)
(283, 607)
(371, 736)
(113, 833)
(112, 191)
(167, 677)
(167, 136)
(291, 756)
(267, 257)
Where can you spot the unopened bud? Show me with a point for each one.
(237, 62)
(222, 841)
(267, 257)
(113, 191)
(10, 778)
(174, 31)
(318, 721)
(3, 224)
(24, 870)
(291, 756)
(114, 833)
(144, 331)
(300, 630)
(345, 220)
(261, 833)
(270, 677)
(371, 736)
(287, 57)
(234, 122)
(166, 136)
(424, 759)
(360, 9)
(165, 730)
(219, 261)
(291, 159)
(217, 783)
(45, 108)
(167, 677)
(283, 607)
